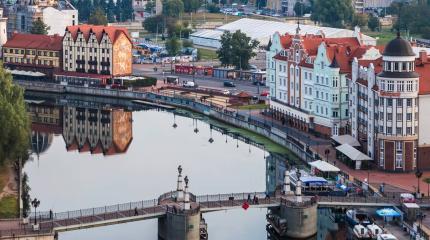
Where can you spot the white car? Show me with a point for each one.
(189, 84)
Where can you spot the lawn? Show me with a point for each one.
(385, 35)
(9, 207)
(253, 106)
(207, 54)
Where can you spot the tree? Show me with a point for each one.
(111, 11)
(126, 10)
(84, 8)
(98, 17)
(150, 6)
(14, 122)
(332, 12)
(191, 5)
(213, 8)
(173, 8)
(299, 8)
(187, 44)
(236, 49)
(373, 23)
(173, 46)
(152, 23)
(39, 27)
(360, 20)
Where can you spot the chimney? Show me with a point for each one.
(423, 56)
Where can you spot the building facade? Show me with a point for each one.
(97, 50)
(388, 97)
(308, 80)
(33, 52)
(56, 14)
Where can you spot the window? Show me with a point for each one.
(399, 102)
(390, 86)
(409, 117)
(409, 102)
(318, 94)
(399, 131)
(409, 130)
(399, 154)
(389, 102)
(381, 153)
(399, 117)
(335, 114)
(389, 116)
(409, 86)
(334, 97)
(318, 78)
(400, 86)
(326, 96)
(389, 130)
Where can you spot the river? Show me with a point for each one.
(89, 155)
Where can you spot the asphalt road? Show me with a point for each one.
(202, 81)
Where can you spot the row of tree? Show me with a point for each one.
(412, 18)
(236, 49)
(119, 10)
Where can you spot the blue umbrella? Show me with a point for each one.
(387, 212)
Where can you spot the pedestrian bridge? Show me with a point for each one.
(50, 222)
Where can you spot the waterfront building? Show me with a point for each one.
(33, 52)
(307, 80)
(94, 49)
(3, 30)
(108, 131)
(388, 99)
(56, 14)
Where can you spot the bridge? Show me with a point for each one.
(181, 202)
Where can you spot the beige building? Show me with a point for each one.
(93, 49)
(33, 52)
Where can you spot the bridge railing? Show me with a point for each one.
(97, 211)
(229, 196)
(28, 231)
(356, 199)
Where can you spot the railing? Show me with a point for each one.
(354, 199)
(229, 196)
(28, 231)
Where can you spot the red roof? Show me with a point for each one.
(112, 32)
(423, 69)
(35, 41)
(377, 64)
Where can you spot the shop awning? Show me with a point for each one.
(387, 212)
(352, 153)
(324, 166)
(350, 140)
(26, 73)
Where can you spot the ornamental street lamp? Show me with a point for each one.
(418, 174)
(35, 203)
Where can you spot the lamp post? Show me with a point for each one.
(35, 203)
(418, 174)
(326, 152)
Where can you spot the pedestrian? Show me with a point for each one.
(136, 212)
(50, 214)
(249, 197)
(164, 81)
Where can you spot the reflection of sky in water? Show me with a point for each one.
(70, 180)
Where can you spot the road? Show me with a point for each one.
(202, 81)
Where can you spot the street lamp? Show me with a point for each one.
(35, 203)
(418, 174)
(174, 121)
(196, 130)
(211, 140)
(327, 152)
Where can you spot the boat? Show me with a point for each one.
(312, 185)
(374, 231)
(203, 229)
(386, 236)
(360, 232)
(354, 217)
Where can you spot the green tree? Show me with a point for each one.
(225, 51)
(373, 23)
(152, 23)
(360, 20)
(150, 6)
(213, 8)
(14, 122)
(299, 8)
(332, 12)
(39, 27)
(173, 46)
(84, 8)
(98, 17)
(236, 49)
(173, 8)
(191, 5)
(126, 10)
(187, 44)
(111, 11)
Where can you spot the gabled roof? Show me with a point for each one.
(112, 32)
(35, 41)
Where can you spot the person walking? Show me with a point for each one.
(136, 212)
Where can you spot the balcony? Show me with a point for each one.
(105, 72)
(105, 63)
(92, 62)
(80, 62)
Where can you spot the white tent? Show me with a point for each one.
(324, 166)
(350, 140)
(353, 154)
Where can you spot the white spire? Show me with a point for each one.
(299, 187)
(187, 205)
(179, 187)
(287, 187)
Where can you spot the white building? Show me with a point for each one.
(59, 19)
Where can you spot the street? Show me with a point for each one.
(202, 81)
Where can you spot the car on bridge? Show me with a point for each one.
(229, 84)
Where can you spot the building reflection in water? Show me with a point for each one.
(104, 130)
(275, 169)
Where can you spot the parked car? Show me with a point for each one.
(229, 84)
(226, 92)
(264, 94)
(189, 84)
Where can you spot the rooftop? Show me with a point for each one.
(112, 31)
(35, 41)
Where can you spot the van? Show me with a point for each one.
(189, 84)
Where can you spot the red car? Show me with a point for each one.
(264, 94)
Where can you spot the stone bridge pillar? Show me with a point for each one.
(183, 217)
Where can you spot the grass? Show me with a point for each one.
(207, 54)
(385, 35)
(253, 106)
(9, 207)
(208, 17)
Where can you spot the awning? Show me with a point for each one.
(324, 166)
(342, 139)
(387, 212)
(352, 153)
(313, 180)
(26, 73)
